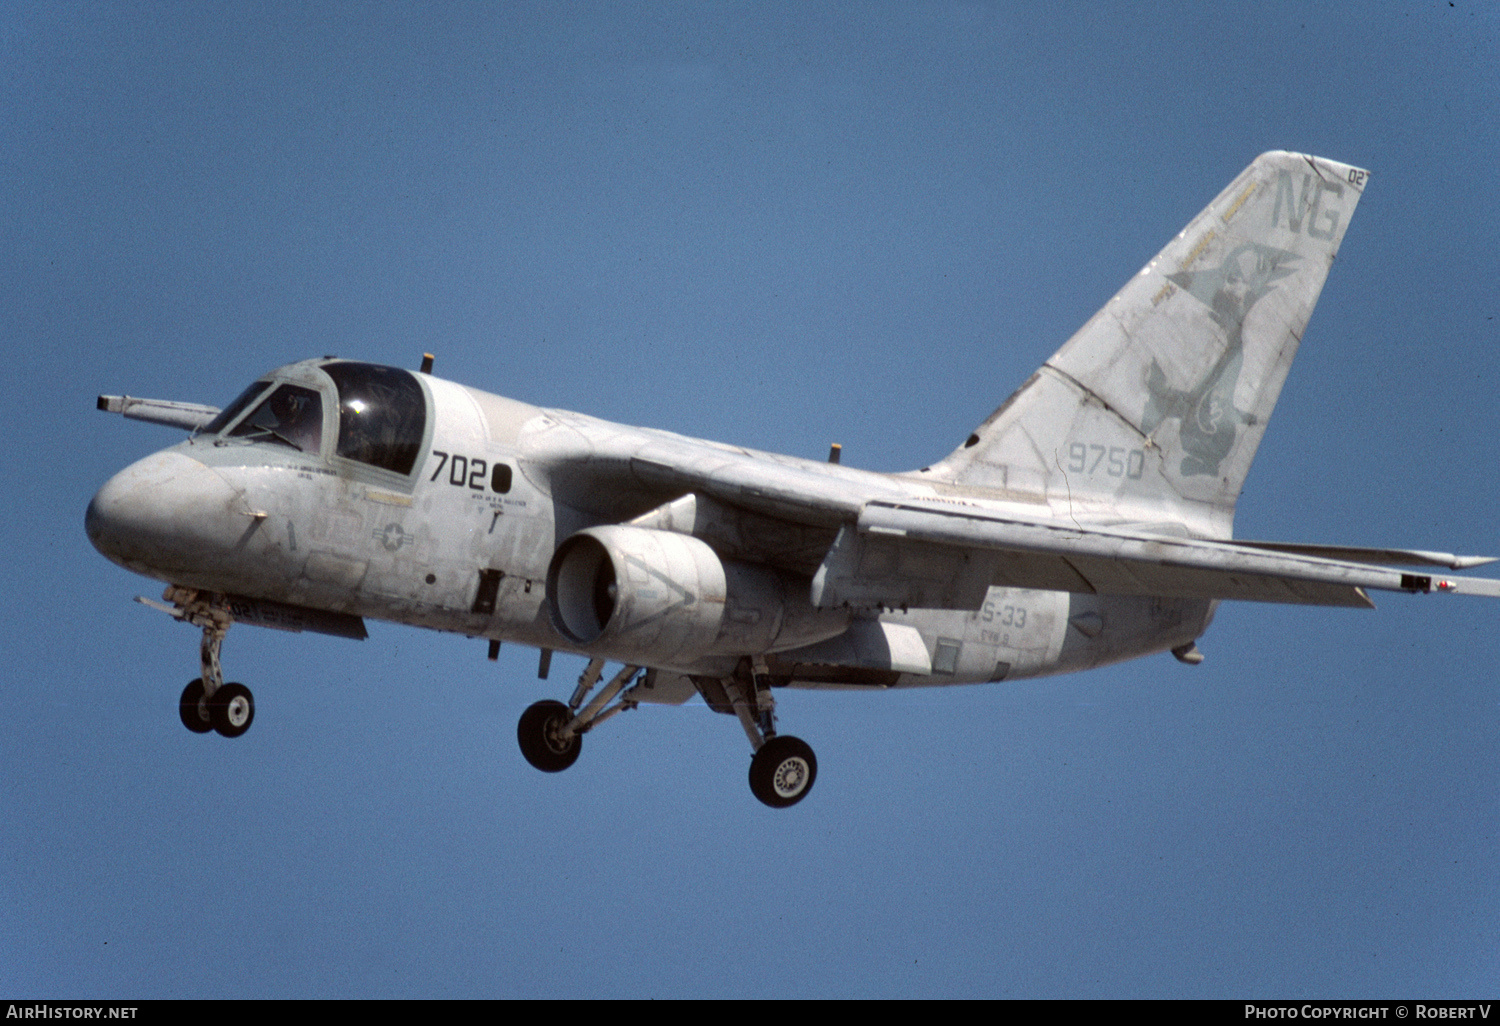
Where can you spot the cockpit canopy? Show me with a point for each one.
(382, 414)
(381, 418)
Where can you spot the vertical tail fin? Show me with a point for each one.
(1154, 409)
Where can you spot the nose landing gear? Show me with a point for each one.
(207, 703)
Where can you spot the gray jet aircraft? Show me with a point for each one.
(1088, 520)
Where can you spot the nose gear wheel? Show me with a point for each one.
(232, 710)
(193, 708)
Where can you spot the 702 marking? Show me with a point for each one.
(466, 472)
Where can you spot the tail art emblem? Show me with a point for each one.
(1206, 412)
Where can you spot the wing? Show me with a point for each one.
(941, 555)
(870, 542)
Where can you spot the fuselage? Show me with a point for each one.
(382, 493)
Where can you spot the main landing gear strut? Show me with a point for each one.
(782, 770)
(551, 734)
(207, 703)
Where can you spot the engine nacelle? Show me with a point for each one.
(657, 598)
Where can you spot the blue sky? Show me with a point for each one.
(780, 226)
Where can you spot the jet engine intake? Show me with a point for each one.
(656, 598)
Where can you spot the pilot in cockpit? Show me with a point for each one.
(292, 416)
(299, 417)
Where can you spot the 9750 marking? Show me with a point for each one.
(1116, 460)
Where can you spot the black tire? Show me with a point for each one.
(232, 710)
(537, 733)
(192, 709)
(783, 771)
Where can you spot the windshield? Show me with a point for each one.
(382, 414)
(291, 415)
(235, 408)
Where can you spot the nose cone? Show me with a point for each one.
(167, 516)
